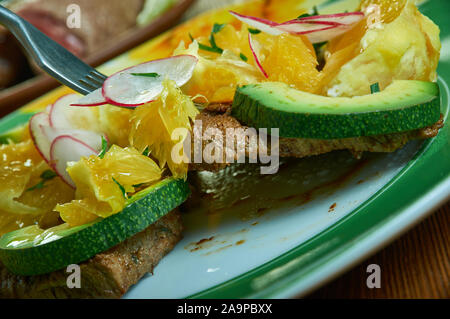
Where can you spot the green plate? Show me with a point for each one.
(283, 236)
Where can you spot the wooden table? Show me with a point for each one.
(415, 266)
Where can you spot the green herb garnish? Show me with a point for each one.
(243, 57)
(146, 151)
(217, 27)
(210, 49)
(213, 45)
(45, 176)
(104, 148)
(254, 31)
(375, 88)
(304, 15)
(148, 75)
(314, 13)
(122, 189)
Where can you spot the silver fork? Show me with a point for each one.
(52, 57)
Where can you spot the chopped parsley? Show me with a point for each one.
(212, 40)
(104, 148)
(148, 75)
(146, 152)
(254, 31)
(122, 189)
(375, 88)
(217, 27)
(45, 176)
(314, 13)
(243, 57)
(205, 47)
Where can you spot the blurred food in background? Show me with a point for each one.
(101, 22)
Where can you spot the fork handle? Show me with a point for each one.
(19, 28)
(9, 19)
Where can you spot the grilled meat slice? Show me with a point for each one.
(107, 275)
(298, 147)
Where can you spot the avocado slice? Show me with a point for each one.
(403, 106)
(33, 251)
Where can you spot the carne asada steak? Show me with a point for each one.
(213, 118)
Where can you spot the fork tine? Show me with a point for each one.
(98, 75)
(92, 79)
(89, 87)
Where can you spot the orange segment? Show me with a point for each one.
(288, 59)
(200, 26)
(284, 10)
(387, 10)
(115, 123)
(54, 192)
(154, 125)
(216, 78)
(99, 183)
(10, 222)
(20, 170)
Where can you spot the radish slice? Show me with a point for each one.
(92, 139)
(56, 138)
(347, 18)
(316, 29)
(64, 149)
(63, 115)
(299, 27)
(264, 25)
(41, 142)
(92, 99)
(127, 90)
(256, 51)
(57, 114)
(318, 35)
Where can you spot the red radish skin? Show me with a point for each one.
(92, 99)
(61, 102)
(318, 28)
(40, 140)
(57, 141)
(92, 139)
(126, 90)
(338, 24)
(342, 18)
(311, 24)
(264, 25)
(319, 35)
(64, 149)
(90, 105)
(128, 106)
(292, 28)
(254, 48)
